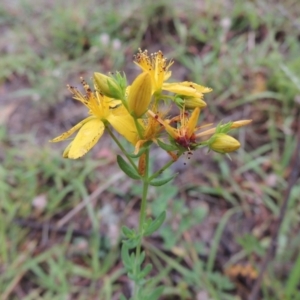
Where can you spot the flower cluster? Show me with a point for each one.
(141, 113)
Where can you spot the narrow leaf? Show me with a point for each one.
(145, 272)
(166, 147)
(126, 258)
(156, 293)
(127, 169)
(159, 182)
(131, 243)
(142, 150)
(142, 257)
(129, 233)
(155, 224)
(293, 280)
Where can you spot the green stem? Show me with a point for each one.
(166, 166)
(138, 128)
(121, 147)
(141, 222)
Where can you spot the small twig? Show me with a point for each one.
(295, 167)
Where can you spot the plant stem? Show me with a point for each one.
(121, 147)
(167, 165)
(141, 222)
(138, 128)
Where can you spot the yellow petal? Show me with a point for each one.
(199, 88)
(68, 133)
(66, 152)
(140, 95)
(192, 122)
(167, 75)
(186, 88)
(86, 138)
(180, 89)
(123, 123)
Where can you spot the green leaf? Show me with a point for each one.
(166, 147)
(132, 243)
(154, 295)
(293, 280)
(142, 150)
(129, 233)
(154, 225)
(142, 257)
(145, 272)
(126, 258)
(122, 297)
(127, 169)
(159, 182)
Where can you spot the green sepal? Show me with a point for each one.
(223, 128)
(166, 147)
(127, 169)
(179, 101)
(122, 297)
(155, 224)
(159, 182)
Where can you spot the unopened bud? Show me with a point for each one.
(107, 86)
(240, 123)
(140, 95)
(192, 102)
(224, 143)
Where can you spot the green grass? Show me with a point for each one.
(220, 212)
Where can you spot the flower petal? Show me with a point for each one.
(181, 89)
(87, 137)
(123, 122)
(68, 133)
(186, 88)
(66, 151)
(199, 88)
(192, 122)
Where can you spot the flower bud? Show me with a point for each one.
(223, 143)
(140, 95)
(240, 123)
(107, 86)
(193, 102)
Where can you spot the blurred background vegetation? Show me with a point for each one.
(60, 219)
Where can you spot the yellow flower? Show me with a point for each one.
(184, 135)
(102, 110)
(151, 129)
(224, 143)
(158, 68)
(140, 95)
